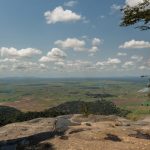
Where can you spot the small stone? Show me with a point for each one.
(88, 124)
(118, 124)
(64, 137)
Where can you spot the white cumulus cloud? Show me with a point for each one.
(28, 66)
(143, 67)
(54, 55)
(76, 65)
(70, 3)
(133, 3)
(73, 43)
(61, 15)
(113, 61)
(122, 54)
(94, 49)
(8, 60)
(96, 42)
(137, 58)
(109, 64)
(128, 65)
(115, 7)
(135, 44)
(22, 53)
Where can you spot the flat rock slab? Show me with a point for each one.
(72, 133)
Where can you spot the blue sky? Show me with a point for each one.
(70, 38)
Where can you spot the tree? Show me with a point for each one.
(139, 14)
(85, 110)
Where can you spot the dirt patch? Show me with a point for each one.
(25, 104)
(121, 102)
(77, 130)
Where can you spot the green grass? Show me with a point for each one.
(13, 99)
(69, 90)
(138, 114)
(146, 103)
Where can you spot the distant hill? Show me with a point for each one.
(100, 107)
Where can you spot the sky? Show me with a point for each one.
(70, 38)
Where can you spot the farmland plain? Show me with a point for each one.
(36, 94)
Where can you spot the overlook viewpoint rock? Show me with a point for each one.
(75, 132)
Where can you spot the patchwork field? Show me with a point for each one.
(36, 94)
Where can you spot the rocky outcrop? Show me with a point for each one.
(77, 132)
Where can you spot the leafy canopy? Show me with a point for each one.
(139, 14)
